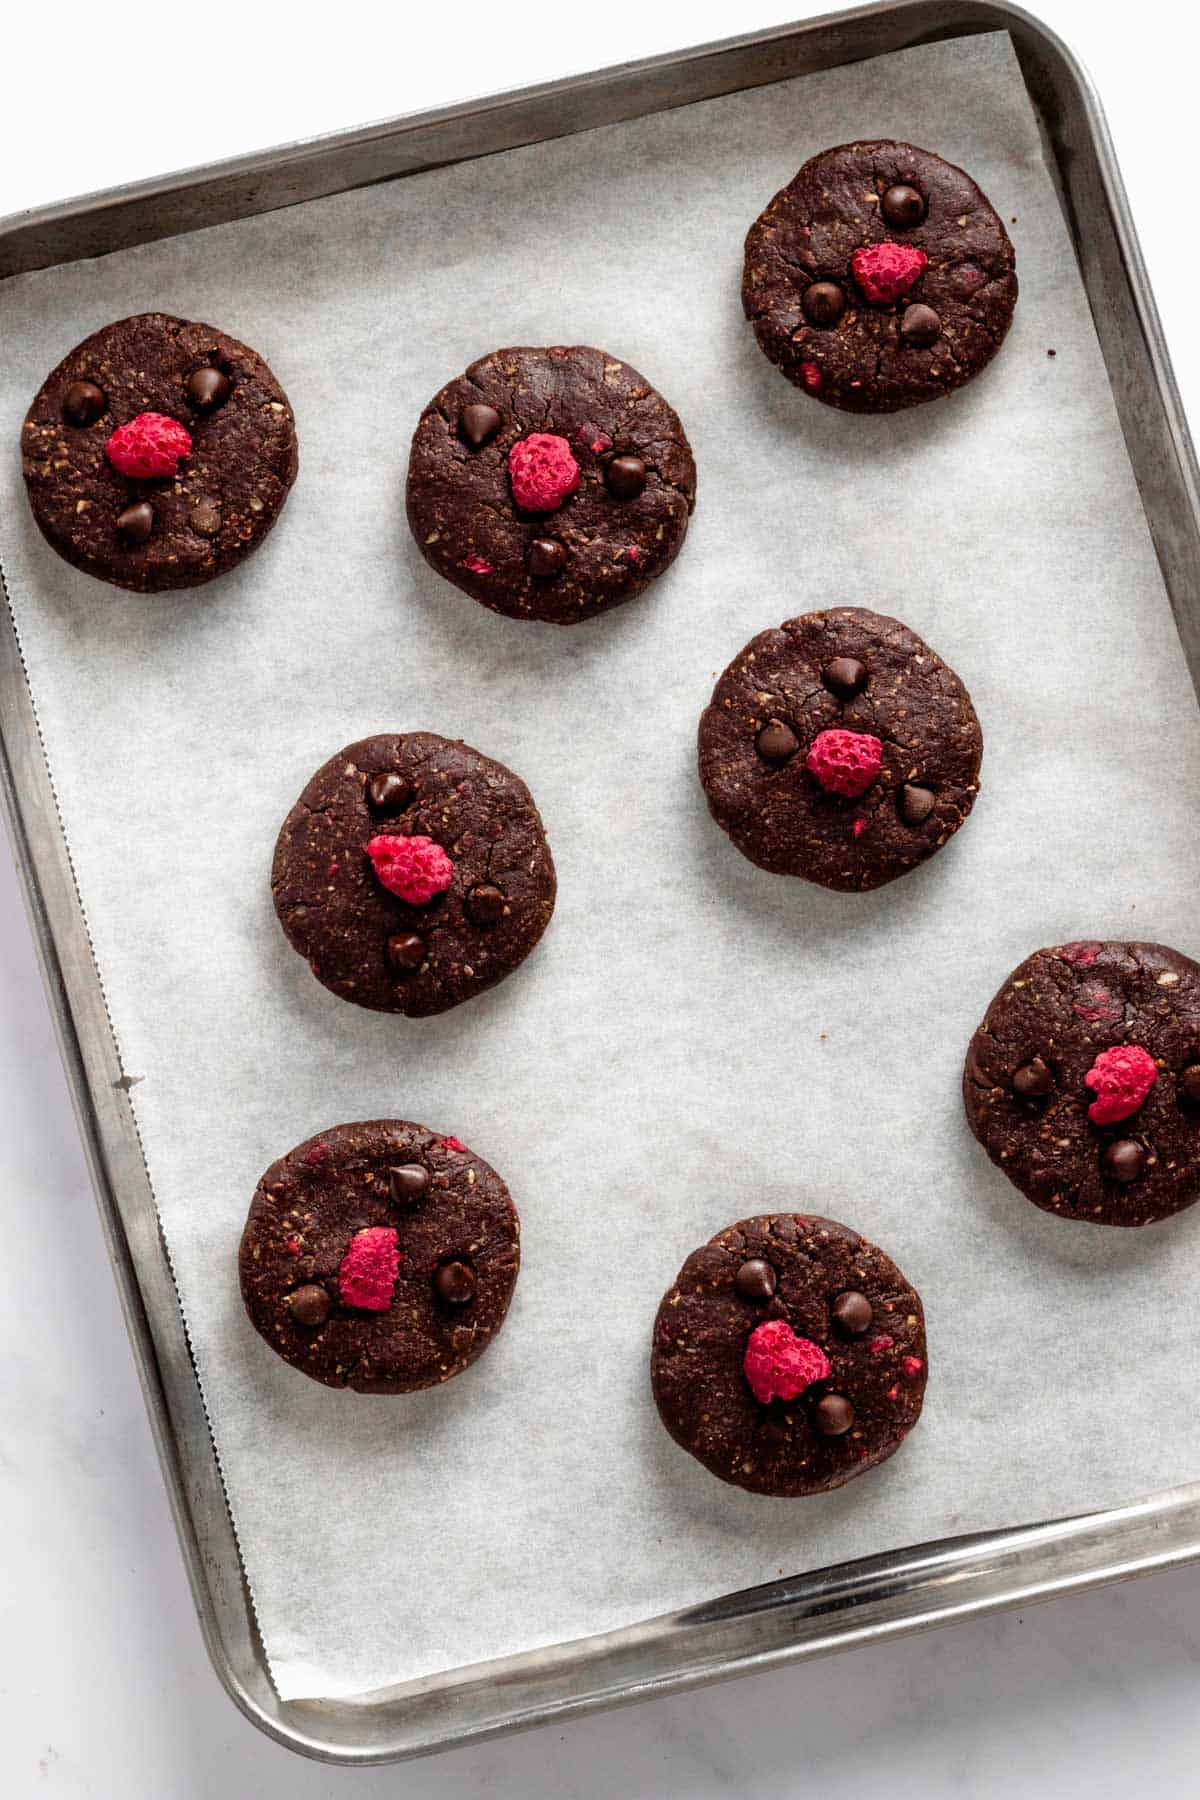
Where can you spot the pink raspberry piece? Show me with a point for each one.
(811, 376)
(478, 565)
(414, 867)
(542, 471)
(912, 1365)
(845, 762)
(1096, 1004)
(316, 1153)
(367, 1273)
(1080, 955)
(886, 271)
(1122, 1078)
(779, 1365)
(148, 446)
(453, 1143)
(878, 1345)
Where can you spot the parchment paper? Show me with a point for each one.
(694, 1040)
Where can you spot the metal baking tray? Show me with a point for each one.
(784, 1621)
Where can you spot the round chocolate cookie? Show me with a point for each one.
(840, 748)
(550, 484)
(158, 454)
(413, 873)
(380, 1257)
(879, 277)
(1083, 1082)
(789, 1356)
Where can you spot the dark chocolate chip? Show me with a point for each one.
(823, 303)
(388, 793)
(205, 519)
(309, 1305)
(485, 904)
(853, 1312)
(1124, 1160)
(207, 388)
(478, 423)
(833, 1415)
(1033, 1080)
(776, 742)
(545, 558)
(755, 1280)
(83, 403)
(625, 477)
(916, 804)
(405, 952)
(1189, 1083)
(921, 326)
(136, 523)
(844, 676)
(454, 1283)
(902, 206)
(408, 1183)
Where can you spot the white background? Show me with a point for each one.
(104, 1685)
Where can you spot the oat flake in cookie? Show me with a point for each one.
(789, 1356)
(1083, 1082)
(380, 1256)
(158, 454)
(550, 483)
(879, 277)
(840, 748)
(413, 873)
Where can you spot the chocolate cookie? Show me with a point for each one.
(380, 1257)
(413, 873)
(879, 277)
(1083, 1082)
(550, 484)
(158, 454)
(789, 1356)
(841, 748)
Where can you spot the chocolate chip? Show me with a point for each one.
(1189, 1083)
(921, 326)
(485, 904)
(136, 523)
(844, 676)
(1033, 1080)
(546, 558)
(455, 1283)
(388, 793)
(823, 303)
(405, 952)
(903, 206)
(776, 742)
(916, 804)
(755, 1280)
(853, 1312)
(408, 1183)
(205, 519)
(1124, 1160)
(83, 403)
(833, 1415)
(477, 424)
(207, 388)
(309, 1305)
(625, 477)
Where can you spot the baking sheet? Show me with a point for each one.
(694, 1039)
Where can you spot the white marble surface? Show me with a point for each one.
(104, 1684)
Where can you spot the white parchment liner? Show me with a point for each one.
(694, 1040)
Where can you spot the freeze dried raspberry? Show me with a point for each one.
(148, 446)
(542, 471)
(886, 271)
(912, 1365)
(845, 762)
(317, 1153)
(414, 867)
(878, 1345)
(779, 1365)
(1080, 955)
(1122, 1078)
(1096, 1005)
(478, 565)
(367, 1273)
(859, 826)
(811, 376)
(453, 1143)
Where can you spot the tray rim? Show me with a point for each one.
(869, 1600)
